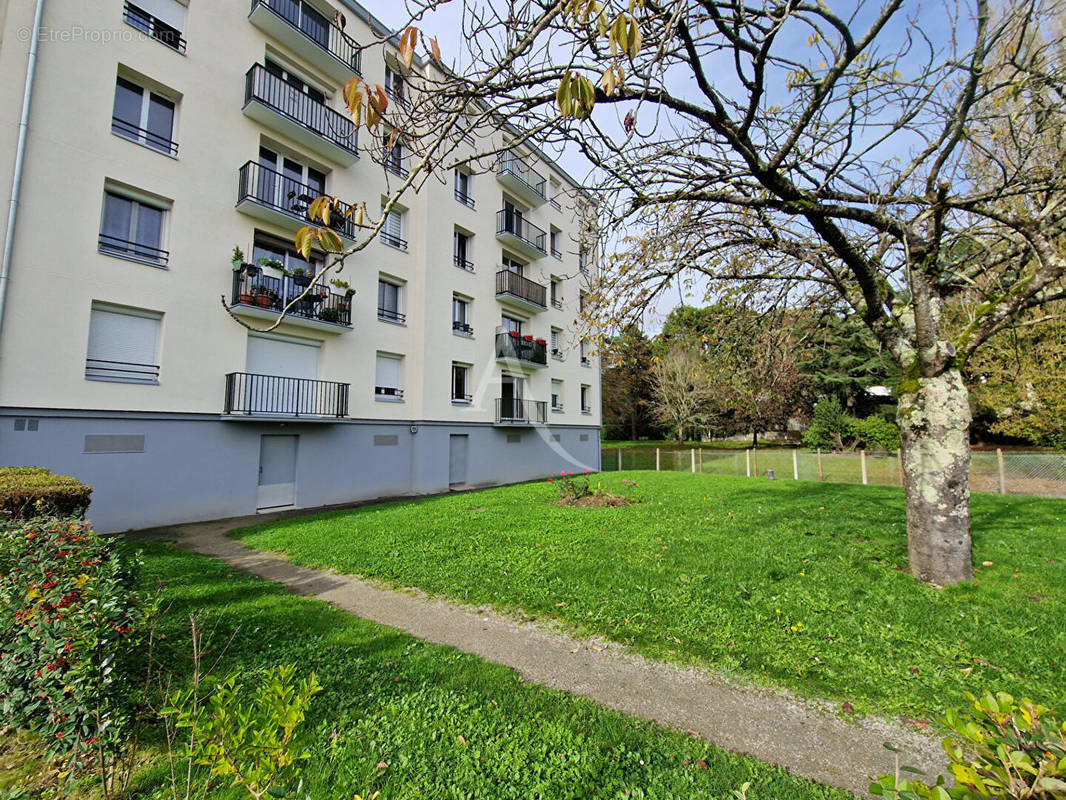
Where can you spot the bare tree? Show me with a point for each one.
(681, 392)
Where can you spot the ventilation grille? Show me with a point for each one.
(514, 438)
(114, 443)
(386, 440)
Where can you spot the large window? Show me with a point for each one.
(461, 251)
(392, 230)
(390, 295)
(123, 345)
(393, 154)
(132, 228)
(461, 383)
(509, 324)
(461, 315)
(271, 253)
(298, 84)
(517, 267)
(307, 19)
(144, 117)
(387, 377)
(286, 184)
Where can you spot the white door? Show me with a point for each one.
(277, 471)
(289, 371)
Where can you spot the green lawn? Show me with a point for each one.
(390, 698)
(793, 584)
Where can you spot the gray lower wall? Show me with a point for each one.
(195, 469)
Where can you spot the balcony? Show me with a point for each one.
(512, 412)
(515, 350)
(276, 198)
(522, 180)
(259, 295)
(254, 396)
(274, 103)
(522, 292)
(312, 36)
(520, 235)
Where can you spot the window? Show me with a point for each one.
(464, 187)
(557, 395)
(387, 377)
(554, 190)
(461, 251)
(517, 267)
(557, 300)
(582, 299)
(509, 324)
(393, 154)
(389, 301)
(163, 20)
(133, 229)
(556, 235)
(556, 344)
(461, 315)
(583, 261)
(586, 403)
(271, 253)
(392, 230)
(286, 184)
(300, 15)
(461, 383)
(295, 82)
(394, 86)
(143, 117)
(584, 353)
(123, 345)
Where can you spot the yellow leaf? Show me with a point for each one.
(434, 49)
(330, 240)
(407, 45)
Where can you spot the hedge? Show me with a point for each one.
(27, 492)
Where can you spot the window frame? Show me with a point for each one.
(383, 393)
(465, 398)
(140, 133)
(396, 315)
(160, 256)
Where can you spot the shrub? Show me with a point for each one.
(833, 429)
(72, 627)
(27, 492)
(1006, 750)
(876, 432)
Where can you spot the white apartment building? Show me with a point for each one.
(162, 134)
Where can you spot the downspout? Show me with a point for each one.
(20, 157)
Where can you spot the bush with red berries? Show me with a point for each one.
(73, 625)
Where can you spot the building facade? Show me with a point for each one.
(162, 135)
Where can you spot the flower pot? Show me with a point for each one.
(527, 338)
(264, 300)
(303, 281)
(514, 334)
(542, 341)
(247, 299)
(251, 270)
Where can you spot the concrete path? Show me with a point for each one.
(807, 739)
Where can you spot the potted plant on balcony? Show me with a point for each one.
(347, 293)
(264, 297)
(542, 342)
(237, 259)
(514, 334)
(330, 315)
(528, 337)
(300, 276)
(272, 263)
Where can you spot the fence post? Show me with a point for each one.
(692, 453)
(619, 459)
(820, 476)
(1002, 475)
(899, 464)
(795, 464)
(656, 459)
(862, 462)
(755, 460)
(747, 461)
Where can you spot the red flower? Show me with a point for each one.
(549, 480)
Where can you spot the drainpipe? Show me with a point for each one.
(20, 156)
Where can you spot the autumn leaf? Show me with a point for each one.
(407, 45)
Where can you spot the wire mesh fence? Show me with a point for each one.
(1032, 473)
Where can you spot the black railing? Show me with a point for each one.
(272, 189)
(247, 393)
(530, 412)
(393, 240)
(273, 294)
(396, 167)
(523, 172)
(322, 32)
(301, 108)
(113, 245)
(462, 327)
(586, 409)
(555, 204)
(557, 406)
(462, 263)
(514, 346)
(388, 391)
(466, 398)
(508, 221)
(397, 95)
(557, 253)
(391, 315)
(126, 371)
(508, 282)
(464, 198)
(157, 29)
(127, 130)
(557, 354)
(557, 302)
(584, 361)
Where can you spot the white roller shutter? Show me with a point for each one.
(170, 12)
(387, 373)
(122, 345)
(282, 358)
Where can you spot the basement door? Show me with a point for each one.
(277, 471)
(458, 445)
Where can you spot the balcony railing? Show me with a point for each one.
(462, 327)
(397, 95)
(273, 395)
(321, 32)
(557, 302)
(124, 371)
(512, 345)
(301, 108)
(393, 240)
(509, 222)
(396, 167)
(391, 315)
(388, 391)
(464, 198)
(462, 263)
(128, 130)
(526, 174)
(555, 204)
(521, 412)
(508, 282)
(273, 294)
(113, 245)
(156, 28)
(557, 253)
(272, 189)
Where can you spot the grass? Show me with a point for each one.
(672, 443)
(794, 584)
(446, 724)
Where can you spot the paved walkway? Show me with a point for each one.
(775, 727)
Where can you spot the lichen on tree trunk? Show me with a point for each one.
(934, 426)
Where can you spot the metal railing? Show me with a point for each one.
(113, 245)
(391, 315)
(335, 42)
(396, 167)
(272, 189)
(248, 393)
(508, 282)
(515, 166)
(555, 204)
(528, 412)
(513, 345)
(127, 130)
(557, 407)
(301, 108)
(509, 222)
(462, 263)
(393, 240)
(273, 294)
(462, 327)
(466, 398)
(464, 198)
(156, 28)
(398, 96)
(126, 371)
(557, 302)
(388, 391)
(557, 253)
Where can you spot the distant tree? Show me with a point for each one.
(627, 384)
(681, 392)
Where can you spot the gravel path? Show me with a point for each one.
(806, 738)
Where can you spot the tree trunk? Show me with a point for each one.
(934, 425)
(754, 439)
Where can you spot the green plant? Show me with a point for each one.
(298, 271)
(237, 258)
(875, 432)
(27, 492)
(1004, 750)
(273, 263)
(329, 315)
(343, 285)
(833, 429)
(248, 734)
